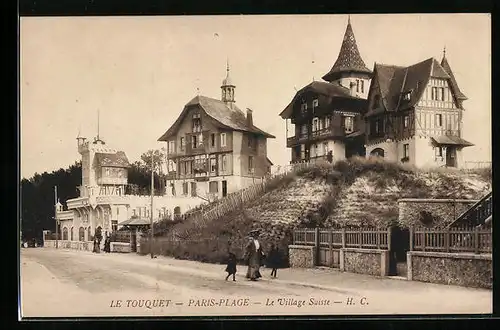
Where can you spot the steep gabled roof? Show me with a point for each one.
(231, 118)
(394, 81)
(349, 59)
(118, 159)
(446, 66)
(322, 88)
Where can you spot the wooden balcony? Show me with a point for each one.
(329, 132)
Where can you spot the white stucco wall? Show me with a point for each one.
(338, 150)
(236, 161)
(390, 150)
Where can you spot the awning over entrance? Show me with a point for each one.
(135, 222)
(451, 140)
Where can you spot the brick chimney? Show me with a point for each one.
(249, 117)
(352, 88)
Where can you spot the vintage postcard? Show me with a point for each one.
(265, 165)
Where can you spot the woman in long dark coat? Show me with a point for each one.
(107, 244)
(253, 256)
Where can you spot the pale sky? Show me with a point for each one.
(141, 71)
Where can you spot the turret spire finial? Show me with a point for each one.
(349, 19)
(444, 51)
(98, 124)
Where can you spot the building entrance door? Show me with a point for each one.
(451, 157)
(224, 188)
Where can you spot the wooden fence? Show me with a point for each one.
(363, 238)
(451, 240)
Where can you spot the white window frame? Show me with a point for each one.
(213, 165)
(223, 139)
(406, 150)
(438, 122)
(183, 143)
(315, 103)
(350, 120)
(223, 163)
(251, 164)
(406, 121)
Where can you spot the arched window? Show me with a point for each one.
(71, 234)
(65, 234)
(377, 152)
(81, 234)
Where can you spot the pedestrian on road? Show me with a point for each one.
(253, 256)
(107, 244)
(231, 266)
(274, 260)
(97, 248)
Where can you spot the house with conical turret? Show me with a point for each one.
(406, 114)
(327, 117)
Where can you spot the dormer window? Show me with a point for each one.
(407, 96)
(196, 123)
(406, 121)
(303, 107)
(315, 103)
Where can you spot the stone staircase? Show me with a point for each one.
(478, 216)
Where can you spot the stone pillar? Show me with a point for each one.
(341, 260)
(409, 275)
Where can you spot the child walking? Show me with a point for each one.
(274, 260)
(231, 266)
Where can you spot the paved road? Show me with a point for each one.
(76, 283)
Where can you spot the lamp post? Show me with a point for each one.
(151, 213)
(55, 216)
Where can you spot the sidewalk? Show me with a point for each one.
(320, 278)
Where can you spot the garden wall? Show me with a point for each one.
(365, 261)
(120, 247)
(464, 269)
(431, 212)
(301, 256)
(73, 245)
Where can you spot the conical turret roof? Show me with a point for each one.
(349, 59)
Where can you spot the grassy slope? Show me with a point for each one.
(354, 192)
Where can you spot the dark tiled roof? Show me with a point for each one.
(112, 160)
(332, 90)
(349, 59)
(233, 118)
(451, 140)
(394, 81)
(454, 85)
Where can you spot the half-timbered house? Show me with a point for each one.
(415, 114)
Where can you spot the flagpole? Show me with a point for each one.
(152, 194)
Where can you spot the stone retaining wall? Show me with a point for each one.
(301, 256)
(464, 269)
(364, 261)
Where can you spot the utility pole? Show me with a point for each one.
(55, 216)
(151, 213)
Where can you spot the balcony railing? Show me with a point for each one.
(332, 131)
